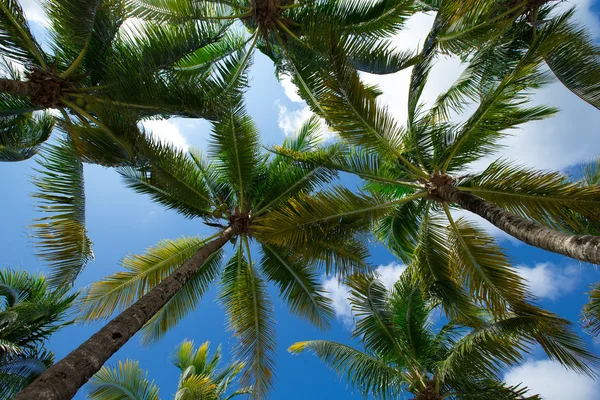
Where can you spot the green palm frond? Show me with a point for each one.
(21, 135)
(16, 41)
(500, 109)
(18, 371)
(196, 386)
(377, 57)
(355, 17)
(484, 268)
(400, 231)
(126, 380)
(172, 179)
(375, 324)
(72, 22)
(504, 343)
(591, 311)
(363, 371)
(573, 57)
(116, 141)
(184, 302)
(234, 143)
(144, 272)
(298, 284)
(431, 267)
(61, 237)
(251, 319)
(486, 388)
(335, 214)
(548, 198)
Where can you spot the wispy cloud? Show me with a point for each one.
(549, 281)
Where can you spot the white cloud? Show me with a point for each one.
(552, 381)
(291, 121)
(167, 132)
(339, 293)
(290, 89)
(548, 281)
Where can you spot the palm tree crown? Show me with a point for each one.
(462, 360)
(201, 377)
(29, 314)
(263, 199)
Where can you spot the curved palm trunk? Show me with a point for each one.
(18, 87)
(63, 380)
(580, 247)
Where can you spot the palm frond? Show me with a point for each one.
(485, 269)
(250, 315)
(369, 374)
(234, 143)
(591, 312)
(375, 325)
(126, 380)
(548, 198)
(573, 57)
(183, 302)
(22, 135)
(61, 237)
(172, 179)
(16, 41)
(18, 371)
(144, 272)
(298, 284)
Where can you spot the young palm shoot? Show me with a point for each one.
(462, 360)
(252, 199)
(202, 377)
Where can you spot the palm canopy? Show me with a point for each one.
(462, 360)
(97, 65)
(501, 31)
(289, 31)
(414, 167)
(29, 313)
(265, 200)
(202, 377)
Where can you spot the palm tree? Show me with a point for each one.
(201, 378)
(96, 63)
(248, 197)
(503, 30)
(289, 32)
(29, 314)
(462, 360)
(103, 77)
(425, 170)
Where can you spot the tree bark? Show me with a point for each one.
(63, 379)
(580, 247)
(18, 87)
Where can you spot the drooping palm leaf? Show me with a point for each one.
(61, 237)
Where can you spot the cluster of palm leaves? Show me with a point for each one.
(201, 378)
(29, 314)
(112, 64)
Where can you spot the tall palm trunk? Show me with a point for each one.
(580, 247)
(63, 380)
(19, 88)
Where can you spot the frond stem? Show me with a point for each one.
(29, 41)
(73, 67)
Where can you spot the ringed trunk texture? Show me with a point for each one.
(63, 379)
(19, 88)
(580, 247)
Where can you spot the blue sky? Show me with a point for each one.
(121, 222)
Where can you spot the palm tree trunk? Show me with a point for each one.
(18, 87)
(580, 247)
(63, 379)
